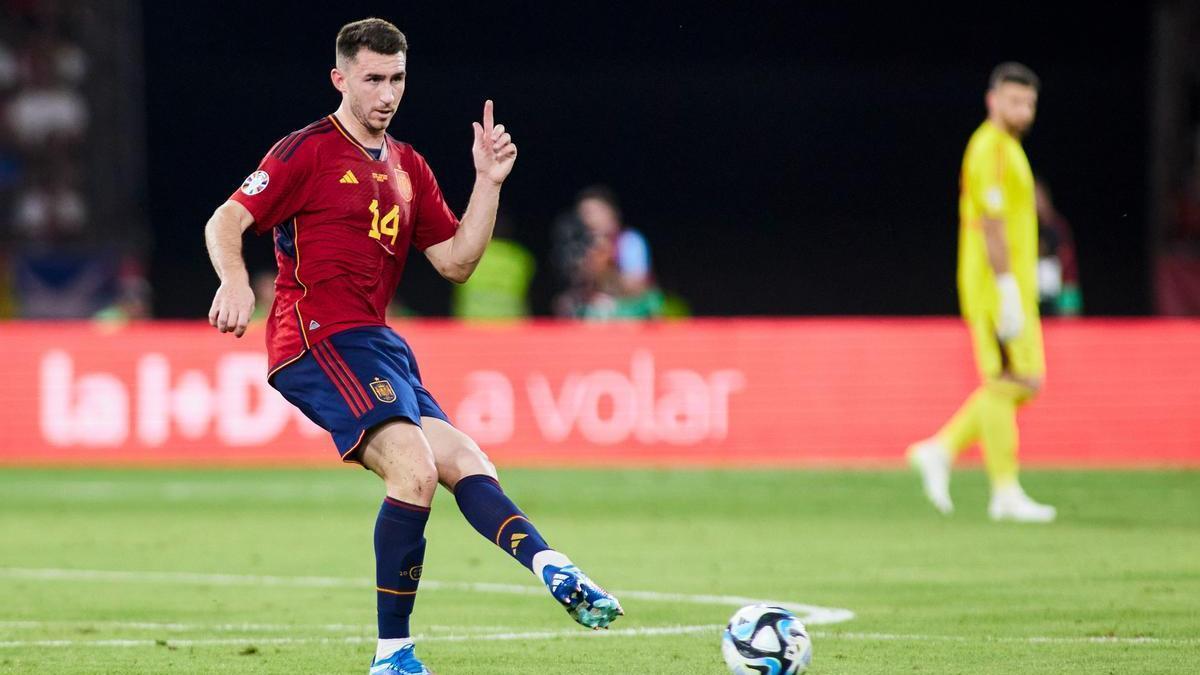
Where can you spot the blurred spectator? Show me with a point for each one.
(610, 274)
(59, 284)
(1058, 270)
(499, 288)
(1177, 270)
(598, 209)
(45, 113)
(132, 300)
(45, 219)
(570, 243)
(8, 305)
(49, 211)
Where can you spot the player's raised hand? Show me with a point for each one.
(494, 151)
(232, 307)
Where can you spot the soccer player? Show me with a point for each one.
(998, 295)
(345, 201)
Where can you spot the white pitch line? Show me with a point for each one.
(808, 614)
(1031, 640)
(1018, 639)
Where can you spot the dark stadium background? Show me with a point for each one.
(780, 159)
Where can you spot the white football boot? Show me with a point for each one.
(932, 460)
(1011, 503)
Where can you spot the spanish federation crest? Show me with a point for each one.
(404, 184)
(383, 390)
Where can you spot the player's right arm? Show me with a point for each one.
(272, 194)
(233, 304)
(987, 190)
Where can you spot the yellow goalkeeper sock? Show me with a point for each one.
(963, 428)
(997, 414)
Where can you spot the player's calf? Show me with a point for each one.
(495, 516)
(398, 452)
(466, 470)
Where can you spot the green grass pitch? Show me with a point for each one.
(270, 571)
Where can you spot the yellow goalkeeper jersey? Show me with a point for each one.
(996, 182)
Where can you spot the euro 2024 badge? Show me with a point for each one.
(255, 183)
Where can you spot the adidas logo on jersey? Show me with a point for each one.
(313, 325)
(349, 177)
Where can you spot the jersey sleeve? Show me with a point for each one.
(275, 191)
(985, 179)
(435, 222)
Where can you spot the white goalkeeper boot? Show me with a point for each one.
(932, 460)
(1011, 503)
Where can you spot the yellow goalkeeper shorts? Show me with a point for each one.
(1022, 356)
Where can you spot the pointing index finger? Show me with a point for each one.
(488, 120)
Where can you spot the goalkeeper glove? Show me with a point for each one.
(1012, 316)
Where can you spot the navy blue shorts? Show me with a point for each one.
(354, 381)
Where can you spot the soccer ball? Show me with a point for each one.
(766, 640)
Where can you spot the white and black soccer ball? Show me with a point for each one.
(766, 640)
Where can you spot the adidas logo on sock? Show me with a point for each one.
(515, 541)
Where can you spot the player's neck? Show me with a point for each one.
(999, 124)
(362, 134)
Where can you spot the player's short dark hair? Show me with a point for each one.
(601, 193)
(1011, 71)
(377, 35)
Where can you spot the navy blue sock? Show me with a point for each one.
(497, 518)
(399, 552)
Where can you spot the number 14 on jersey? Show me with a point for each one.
(388, 226)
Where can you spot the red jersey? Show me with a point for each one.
(343, 224)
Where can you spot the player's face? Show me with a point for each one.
(600, 217)
(374, 87)
(1014, 105)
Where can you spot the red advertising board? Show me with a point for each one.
(702, 392)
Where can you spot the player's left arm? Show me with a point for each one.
(987, 189)
(494, 154)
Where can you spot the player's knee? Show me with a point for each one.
(416, 476)
(404, 461)
(462, 459)
(1021, 389)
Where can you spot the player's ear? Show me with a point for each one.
(339, 80)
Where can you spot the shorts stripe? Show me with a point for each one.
(355, 386)
(337, 382)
